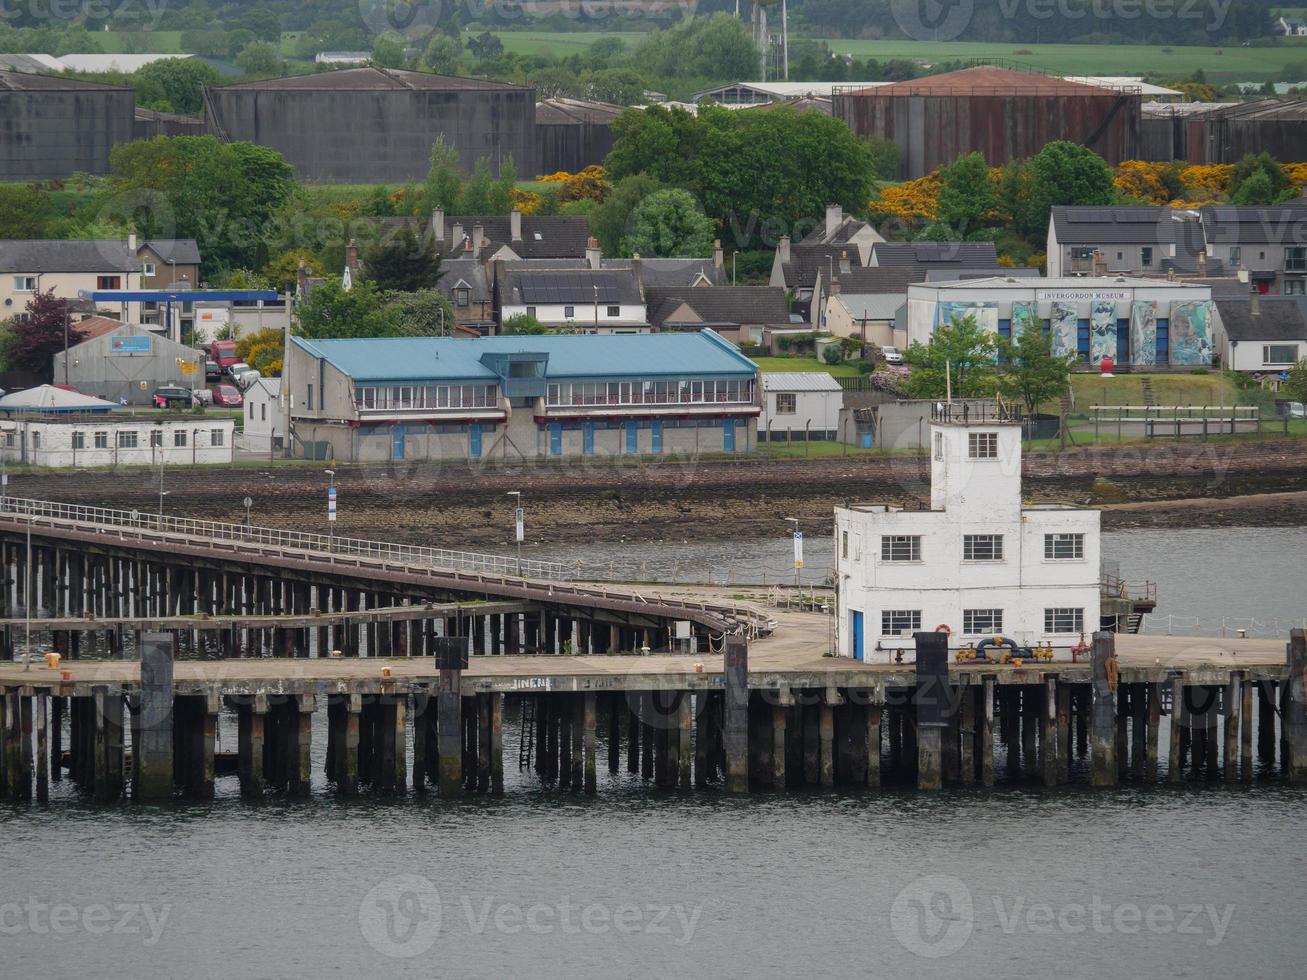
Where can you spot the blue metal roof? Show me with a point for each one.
(570, 356)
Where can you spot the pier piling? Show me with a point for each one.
(1103, 667)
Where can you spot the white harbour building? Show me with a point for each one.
(980, 562)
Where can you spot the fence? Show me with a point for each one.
(1175, 420)
(252, 537)
(1227, 626)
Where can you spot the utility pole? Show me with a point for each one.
(519, 529)
(331, 510)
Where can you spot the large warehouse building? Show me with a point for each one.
(1004, 114)
(1207, 132)
(368, 125)
(54, 127)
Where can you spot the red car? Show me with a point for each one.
(227, 396)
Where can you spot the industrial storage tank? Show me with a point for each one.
(366, 125)
(54, 127)
(1002, 113)
(572, 134)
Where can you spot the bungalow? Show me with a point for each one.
(1256, 333)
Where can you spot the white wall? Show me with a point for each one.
(66, 285)
(819, 409)
(263, 417)
(1249, 355)
(583, 315)
(46, 443)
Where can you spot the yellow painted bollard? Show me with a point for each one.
(52, 660)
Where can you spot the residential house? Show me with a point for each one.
(1270, 242)
(1260, 334)
(1131, 241)
(575, 300)
(507, 237)
(521, 397)
(934, 255)
(1291, 26)
(67, 268)
(800, 405)
(797, 266)
(738, 313)
(265, 423)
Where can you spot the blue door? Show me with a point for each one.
(856, 626)
(728, 435)
(1122, 341)
(656, 429)
(474, 440)
(555, 439)
(866, 440)
(396, 442)
(632, 436)
(588, 439)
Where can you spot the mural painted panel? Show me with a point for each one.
(985, 312)
(1190, 333)
(1143, 333)
(1102, 331)
(1025, 316)
(1062, 324)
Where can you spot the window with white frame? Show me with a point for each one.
(982, 622)
(900, 547)
(36, 440)
(982, 547)
(147, 268)
(11, 440)
(127, 440)
(24, 284)
(982, 445)
(217, 437)
(896, 621)
(614, 311)
(844, 544)
(101, 440)
(1064, 547)
(179, 438)
(569, 312)
(79, 440)
(1279, 353)
(939, 445)
(1064, 619)
(787, 403)
(156, 439)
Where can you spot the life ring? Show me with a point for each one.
(944, 628)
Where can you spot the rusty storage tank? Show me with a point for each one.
(1004, 114)
(370, 125)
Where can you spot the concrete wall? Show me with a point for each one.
(95, 369)
(820, 410)
(571, 146)
(184, 442)
(377, 136)
(264, 420)
(55, 133)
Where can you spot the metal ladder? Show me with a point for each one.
(527, 743)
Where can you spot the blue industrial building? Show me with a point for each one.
(427, 398)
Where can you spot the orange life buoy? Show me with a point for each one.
(943, 628)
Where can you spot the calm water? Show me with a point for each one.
(1192, 882)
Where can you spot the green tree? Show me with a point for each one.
(444, 55)
(657, 141)
(331, 311)
(387, 53)
(716, 46)
(960, 357)
(966, 195)
(33, 340)
(1030, 372)
(1256, 189)
(1066, 174)
(262, 350)
(421, 313)
(173, 84)
(444, 177)
(670, 223)
(1272, 186)
(21, 212)
(245, 279)
(611, 221)
(264, 23)
(1296, 386)
(884, 157)
(485, 46)
(259, 58)
(620, 86)
(402, 262)
(521, 324)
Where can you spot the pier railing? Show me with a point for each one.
(253, 536)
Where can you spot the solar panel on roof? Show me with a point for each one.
(1083, 214)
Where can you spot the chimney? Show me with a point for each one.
(1254, 302)
(456, 237)
(637, 267)
(1242, 273)
(834, 218)
(515, 224)
(783, 246)
(718, 258)
(131, 241)
(834, 289)
(478, 237)
(593, 257)
(1202, 264)
(352, 256)
(438, 226)
(845, 268)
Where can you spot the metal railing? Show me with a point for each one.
(310, 543)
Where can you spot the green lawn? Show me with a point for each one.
(559, 44)
(1168, 389)
(772, 365)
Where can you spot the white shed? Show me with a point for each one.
(265, 423)
(800, 405)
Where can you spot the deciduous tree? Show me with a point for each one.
(959, 358)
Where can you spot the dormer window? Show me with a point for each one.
(463, 296)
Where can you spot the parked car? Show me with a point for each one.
(1296, 410)
(173, 396)
(224, 352)
(212, 370)
(202, 396)
(234, 371)
(892, 355)
(227, 396)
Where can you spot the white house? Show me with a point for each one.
(115, 440)
(265, 423)
(800, 405)
(1260, 334)
(66, 268)
(979, 563)
(580, 300)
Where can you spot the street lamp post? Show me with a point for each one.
(519, 526)
(248, 502)
(331, 510)
(798, 548)
(162, 492)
